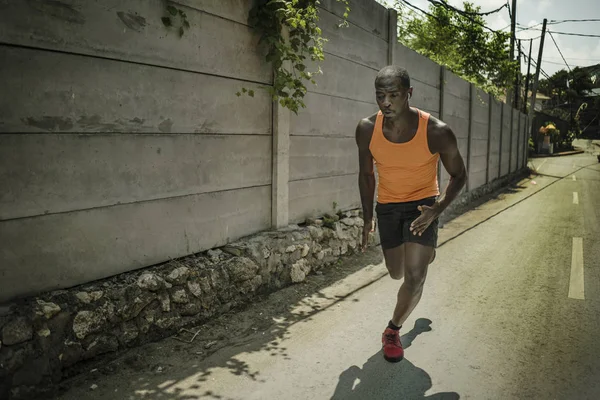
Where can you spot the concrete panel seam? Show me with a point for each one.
(352, 23)
(123, 133)
(324, 177)
(96, 56)
(149, 200)
(213, 14)
(342, 97)
(351, 60)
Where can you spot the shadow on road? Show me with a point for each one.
(379, 379)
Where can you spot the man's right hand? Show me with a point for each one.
(367, 230)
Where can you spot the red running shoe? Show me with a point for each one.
(392, 348)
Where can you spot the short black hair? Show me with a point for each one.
(394, 72)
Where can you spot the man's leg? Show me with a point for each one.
(394, 261)
(417, 259)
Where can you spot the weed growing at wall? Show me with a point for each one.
(289, 29)
(175, 18)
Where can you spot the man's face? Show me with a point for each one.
(391, 97)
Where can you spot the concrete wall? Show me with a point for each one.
(505, 139)
(495, 140)
(123, 145)
(323, 157)
(478, 151)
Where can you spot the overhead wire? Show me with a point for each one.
(535, 64)
(561, 63)
(560, 21)
(560, 52)
(577, 58)
(463, 12)
(576, 34)
(533, 28)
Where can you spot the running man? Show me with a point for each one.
(405, 143)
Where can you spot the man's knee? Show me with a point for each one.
(394, 261)
(396, 270)
(415, 280)
(396, 275)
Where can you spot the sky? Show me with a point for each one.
(578, 51)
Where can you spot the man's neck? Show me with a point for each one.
(400, 120)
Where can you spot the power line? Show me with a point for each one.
(559, 63)
(576, 58)
(561, 33)
(417, 8)
(463, 13)
(525, 40)
(528, 29)
(535, 64)
(576, 34)
(445, 3)
(560, 21)
(560, 52)
(554, 22)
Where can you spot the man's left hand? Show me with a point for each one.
(428, 215)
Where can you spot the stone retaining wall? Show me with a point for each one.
(43, 337)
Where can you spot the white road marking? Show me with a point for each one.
(575, 198)
(574, 177)
(576, 287)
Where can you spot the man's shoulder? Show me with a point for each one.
(364, 130)
(368, 122)
(366, 125)
(439, 134)
(438, 128)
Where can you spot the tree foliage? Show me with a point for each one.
(579, 82)
(460, 42)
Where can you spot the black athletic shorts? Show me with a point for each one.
(394, 219)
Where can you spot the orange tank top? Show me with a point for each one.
(407, 171)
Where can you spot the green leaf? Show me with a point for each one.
(186, 24)
(251, 93)
(180, 31)
(166, 21)
(238, 94)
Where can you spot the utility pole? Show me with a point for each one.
(537, 69)
(513, 21)
(527, 78)
(518, 77)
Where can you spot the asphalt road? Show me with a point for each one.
(511, 310)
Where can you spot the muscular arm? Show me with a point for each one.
(446, 145)
(366, 175)
(442, 140)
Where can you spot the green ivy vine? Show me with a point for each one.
(289, 55)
